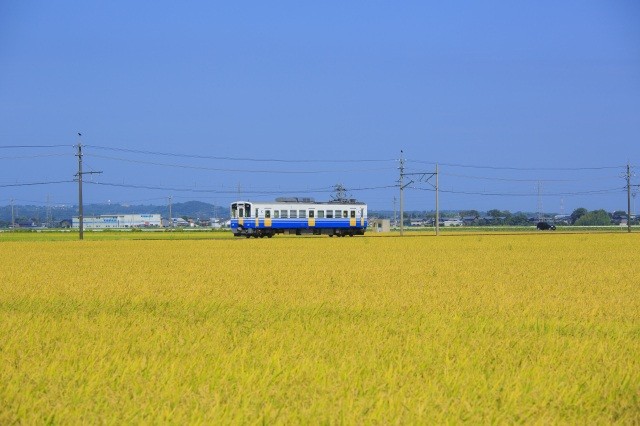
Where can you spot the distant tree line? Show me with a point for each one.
(579, 217)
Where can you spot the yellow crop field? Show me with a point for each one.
(530, 328)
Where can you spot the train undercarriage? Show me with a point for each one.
(331, 232)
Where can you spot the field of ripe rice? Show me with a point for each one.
(528, 328)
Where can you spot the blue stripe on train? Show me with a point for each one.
(298, 223)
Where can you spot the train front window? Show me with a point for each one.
(234, 211)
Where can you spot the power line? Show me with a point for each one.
(8, 185)
(34, 146)
(528, 194)
(507, 179)
(213, 157)
(25, 157)
(471, 166)
(232, 191)
(216, 169)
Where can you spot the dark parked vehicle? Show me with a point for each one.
(544, 226)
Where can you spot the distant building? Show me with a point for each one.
(217, 223)
(118, 221)
(380, 225)
(450, 222)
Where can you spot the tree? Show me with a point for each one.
(518, 219)
(577, 214)
(469, 213)
(619, 214)
(594, 218)
(495, 213)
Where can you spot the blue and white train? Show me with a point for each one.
(298, 216)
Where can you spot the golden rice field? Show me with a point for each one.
(529, 328)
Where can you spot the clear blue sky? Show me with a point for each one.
(502, 86)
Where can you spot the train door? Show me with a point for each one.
(257, 217)
(244, 211)
(240, 214)
(267, 218)
(311, 220)
(352, 217)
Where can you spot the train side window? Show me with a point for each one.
(329, 214)
(320, 214)
(302, 214)
(311, 214)
(293, 214)
(267, 214)
(353, 213)
(337, 216)
(276, 214)
(283, 214)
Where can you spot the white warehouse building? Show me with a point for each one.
(118, 221)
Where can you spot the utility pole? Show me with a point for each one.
(424, 177)
(437, 207)
(79, 175)
(540, 213)
(170, 213)
(401, 193)
(395, 215)
(49, 215)
(628, 197)
(13, 217)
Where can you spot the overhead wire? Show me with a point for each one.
(217, 169)
(25, 157)
(230, 191)
(225, 158)
(522, 194)
(34, 146)
(506, 179)
(471, 166)
(223, 192)
(8, 185)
